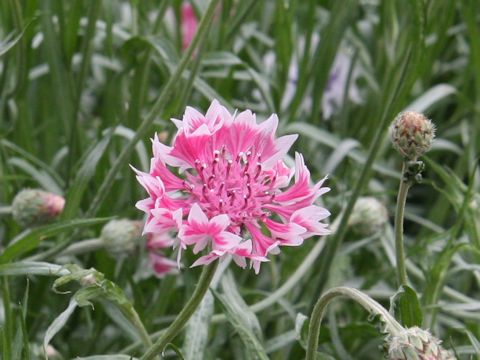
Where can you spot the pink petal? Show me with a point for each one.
(290, 233)
(310, 217)
(206, 259)
(282, 145)
(226, 241)
(161, 265)
(197, 215)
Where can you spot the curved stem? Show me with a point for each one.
(399, 216)
(185, 314)
(393, 327)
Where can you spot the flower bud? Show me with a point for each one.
(121, 236)
(412, 134)
(32, 207)
(416, 344)
(369, 215)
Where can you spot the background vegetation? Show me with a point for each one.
(85, 84)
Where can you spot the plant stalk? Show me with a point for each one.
(405, 184)
(132, 315)
(182, 318)
(373, 307)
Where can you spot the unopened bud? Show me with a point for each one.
(412, 134)
(32, 207)
(369, 216)
(416, 344)
(121, 236)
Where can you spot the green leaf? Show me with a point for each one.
(280, 341)
(32, 268)
(40, 176)
(59, 322)
(176, 350)
(196, 333)
(406, 307)
(243, 320)
(29, 239)
(107, 357)
(85, 172)
(301, 329)
(474, 340)
(431, 97)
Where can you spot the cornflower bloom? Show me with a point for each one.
(230, 193)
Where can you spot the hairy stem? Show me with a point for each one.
(399, 216)
(374, 308)
(82, 247)
(142, 332)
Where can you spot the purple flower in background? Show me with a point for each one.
(334, 92)
(333, 95)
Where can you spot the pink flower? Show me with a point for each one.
(189, 24)
(161, 265)
(230, 193)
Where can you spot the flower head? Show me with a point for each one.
(369, 216)
(32, 207)
(416, 344)
(412, 134)
(121, 236)
(230, 191)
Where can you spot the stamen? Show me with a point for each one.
(258, 170)
(239, 156)
(211, 180)
(222, 185)
(232, 197)
(245, 201)
(249, 190)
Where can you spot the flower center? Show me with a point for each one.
(232, 185)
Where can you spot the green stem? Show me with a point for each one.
(374, 308)
(185, 314)
(135, 320)
(5, 210)
(399, 216)
(82, 247)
